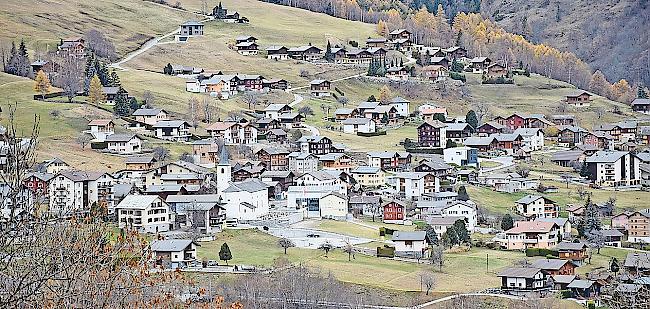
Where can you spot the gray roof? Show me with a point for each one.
(356, 121)
(549, 264)
(559, 221)
(528, 199)
(611, 233)
(249, 185)
(365, 170)
(172, 188)
(171, 245)
(566, 279)
(170, 124)
(404, 235)
(519, 272)
(282, 174)
(628, 288)
(367, 105)
(302, 155)
(199, 198)
(457, 126)
(399, 100)
(606, 156)
(276, 107)
(320, 175)
(639, 101)
(644, 156)
(382, 154)
(572, 155)
(479, 141)
(580, 284)
(120, 137)
(81, 175)
(192, 23)
(140, 159)
(364, 199)
(148, 112)
(137, 201)
(571, 246)
(637, 260)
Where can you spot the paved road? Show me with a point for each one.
(504, 161)
(296, 99)
(145, 47)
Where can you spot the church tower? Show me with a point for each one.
(224, 171)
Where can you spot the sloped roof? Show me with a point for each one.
(531, 227)
(519, 272)
(571, 246)
(120, 137)
(404, 235)
(137, 201)
(606, 156)
(249, 185)
(171, 245)
(171, 124)
(549, 264)
(100, 122)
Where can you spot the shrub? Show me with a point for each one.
(457, 76)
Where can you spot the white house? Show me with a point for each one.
(302, 162)
(273, 111)
(124, 143)
(334, 205)
(410, 244)
(72, 191)
(462, 209)
(246, 200)
(234, 133)
(144, 213)
(536, 206)
(532, 137)
(321, 179)
(363, 125)
(412, 185)
(150, 115)
(401, 105)
(461, 156)
(522, 278)
(614, 168)
(318, 201)
(175, 252)
(177, 130)
(101, 128)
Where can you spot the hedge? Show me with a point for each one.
(98, 145)
(383, 231)
(378, 133)
(530, 252)
(386, 251)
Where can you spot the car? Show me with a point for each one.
(212, 263)
(313, 235)
(232, 222)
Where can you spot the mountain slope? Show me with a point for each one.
(612, 36)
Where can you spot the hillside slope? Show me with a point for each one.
(611, 36)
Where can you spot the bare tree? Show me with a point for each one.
(600, 112)
(285, 243)
(482, 110)
(208, 109)
(83, 140)
(235, 116)
(306, 110)
(71, 261)
(303, 73)
(437, 257)
(148, 98)
(349, 249)
(428, 281)
(193, 112)
(161, 153)
(523, 171)
(70, 77)
(251, 98)
(100, 44)
(343, 100)
(326, 247)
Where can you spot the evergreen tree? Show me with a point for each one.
(590, 221)
(401, 62)
(462, 194)
(372, 98)
(584, 170)
(457, 67)
(89, 72)
(450, 143)
(168, 69)
(329, 56)
(224, 253)
(432, 235)
(440, 117)
(372, 68)
(450, 237)
(134, 104)
(459, 38)
(640, 93)
(507, 222)
(462, 234)
(472, 119)
(122, 104)
(115, 79)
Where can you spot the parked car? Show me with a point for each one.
(212, 263)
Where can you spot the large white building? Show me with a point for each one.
(124, 143)
(614, 168)
(363, 125)
(246, 200)
(321, 179)
(234, 133)
(302, 162)
(461, 156)
(412, 185)
(73, 191)
(144, 213)
(401, 105)
(318, 201)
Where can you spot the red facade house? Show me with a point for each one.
(394, 211)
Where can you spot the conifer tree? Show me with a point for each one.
(122, 105)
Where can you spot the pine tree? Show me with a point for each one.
(640, 93)
(372, 98)
(224, 253)
(462, 234)
(329, 56)
(462, 194)
(115, 79)
(89, 72)
(372, 68)
(472, 119)
(95, 91)
(584, 170)
(450, 143)
(122, 105)
(42, 83)
(590, 221)
(168, 69)
(459, 38)
(507, 222)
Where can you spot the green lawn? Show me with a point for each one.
(347, 228)
(463, 271)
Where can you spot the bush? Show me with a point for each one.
(565, 294)
(499, 80)
(378, 133)
(457, 76)
(530, 252)
(548, 253)
(386, 251)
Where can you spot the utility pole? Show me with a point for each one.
(487, 263)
